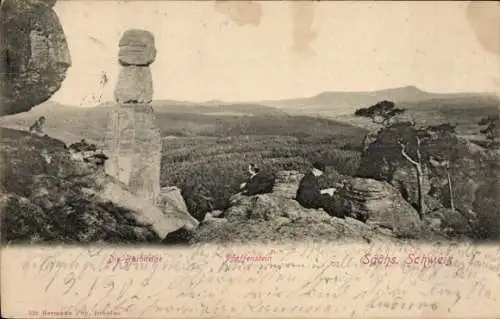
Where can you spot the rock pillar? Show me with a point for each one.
(34, 55)
(133, 141)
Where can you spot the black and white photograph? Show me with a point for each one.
(178, 123)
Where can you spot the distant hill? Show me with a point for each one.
(344, 102)
(328, 103)
(463, 109)
(215, 107)
(70, 124)
(193, 118)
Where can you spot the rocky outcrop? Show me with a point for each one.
(271, 218)
(378, 203)
(34, 55)
(468, 169)
(163, 220)
(70, 201)
(287, 183)
(133, 139)
(51, 205)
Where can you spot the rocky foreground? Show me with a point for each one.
(276, 218)
(270, 218)
(45, 196)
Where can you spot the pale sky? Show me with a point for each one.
(272, 50)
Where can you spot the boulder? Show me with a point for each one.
(137, 47)
(271, 218)
(268, 208)
(171, 202)
(163, 220)
(378, 203)
(135, 85)
(34, 54)
(287, 183)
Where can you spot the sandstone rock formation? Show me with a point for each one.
(404, 179)
(133, 140)
(378, 203)
(468, 170)
(137, 47)
(272, 218)
(34, 54)
(135, 85)
(70, 201)
(287, 183)
(164, 220)
(48, 200)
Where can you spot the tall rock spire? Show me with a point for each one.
(133, 140)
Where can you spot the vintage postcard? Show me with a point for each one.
(250, 159)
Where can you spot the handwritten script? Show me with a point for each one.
(300, 280)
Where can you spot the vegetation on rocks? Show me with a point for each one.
(47, 202)
(429, 163)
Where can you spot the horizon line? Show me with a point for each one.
(416, 88)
